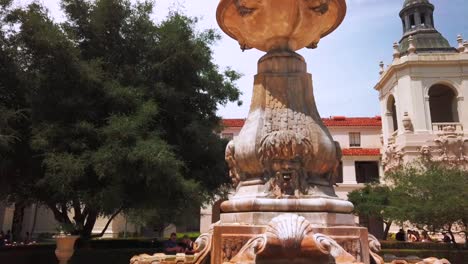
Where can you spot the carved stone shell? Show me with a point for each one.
(290, 229)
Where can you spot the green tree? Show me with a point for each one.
(15, 153)
(373, 201)
(433, 196)
(123, 110)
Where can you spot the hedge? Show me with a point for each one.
(420, 245)
(119, 251)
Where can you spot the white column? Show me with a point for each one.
(463, 105)
(416, 107)
(205, 218)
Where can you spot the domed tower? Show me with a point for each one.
(417, 17)
(422, 93)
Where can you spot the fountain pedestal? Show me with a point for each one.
(284, 162)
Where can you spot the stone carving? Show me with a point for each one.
(287, 149)
(392, 157)
(330, 246)
(407, 123)
(434, 261)
(232, 246)
(160, 258)
(248, 253)
(425, 152)
(202, 246)
(247, 7)
(375, 247)
(284, 150)
(289, 237)
(255, 23)
(283, 153)
(148, 259)
(396, 51)
(450, 146)
(319, 6)
(231, 161)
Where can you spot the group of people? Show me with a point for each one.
(415, 236)
(5, 239)
(171, 246)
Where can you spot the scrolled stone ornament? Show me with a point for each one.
(375, 247)
(330, 246)
(289, 238)
(231, 161)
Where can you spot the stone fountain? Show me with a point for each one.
(284, 162)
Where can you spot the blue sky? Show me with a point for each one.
(345, 65)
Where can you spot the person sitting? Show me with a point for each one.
(187, 245)
(171, 247)
(412, 236)
(400, 236)
(2, 238)
(446, 238)
(425, 237)
(7, 237)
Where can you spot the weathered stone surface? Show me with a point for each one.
(284, 159)
(286, 24)
(318, 219)
(287, 238)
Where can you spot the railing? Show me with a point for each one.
(441, 126)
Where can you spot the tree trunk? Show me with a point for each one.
(85, 233)
(89, 225)
(387, 229)
(18, 217)
(108, 223)
(33, 227)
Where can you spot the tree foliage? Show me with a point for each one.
(433, 196)
(373, 201)
(122, 110)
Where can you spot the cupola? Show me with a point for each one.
(417, 17)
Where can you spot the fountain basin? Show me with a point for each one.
(279, 24)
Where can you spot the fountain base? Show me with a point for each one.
(289, 238)
(318, 219)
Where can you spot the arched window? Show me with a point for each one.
(443, 104)
(391, 110)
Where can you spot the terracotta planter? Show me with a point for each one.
(65, 247)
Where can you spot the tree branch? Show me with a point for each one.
(59, 216)
(77, 208)
(108, 223)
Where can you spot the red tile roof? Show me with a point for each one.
(233, 122)
(342, 121)
(361, 152)
(334, 121)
